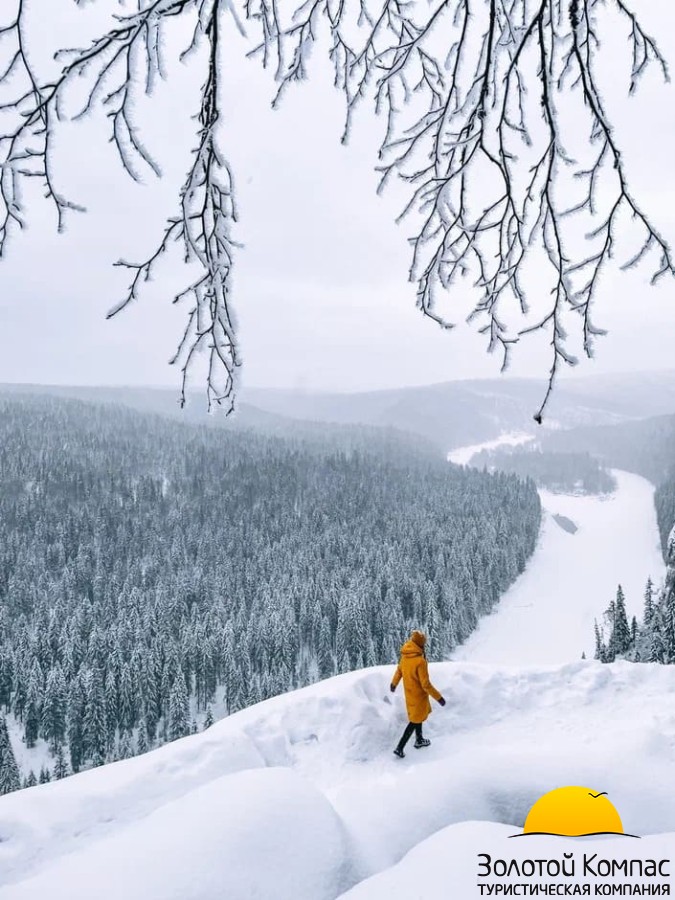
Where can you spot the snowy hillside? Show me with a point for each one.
(300, 796)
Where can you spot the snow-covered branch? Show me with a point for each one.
(473, 94)
(477, 100)
(207, 212)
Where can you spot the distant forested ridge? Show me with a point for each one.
(644, 446)
(150, 569)
(558, 472)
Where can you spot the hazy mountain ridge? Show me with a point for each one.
(162, 404)
(646, 446)
(448, 414)
(463, 412)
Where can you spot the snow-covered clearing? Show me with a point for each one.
(28, 759)
(300, 797)
(462, 455)
(547, 615)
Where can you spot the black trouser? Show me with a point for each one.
(407, 734)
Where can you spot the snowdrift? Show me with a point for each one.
(446, 864)
(301, 796)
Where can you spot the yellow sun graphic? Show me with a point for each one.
(573, 812)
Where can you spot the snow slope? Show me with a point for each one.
(301, 797)
(547, 615)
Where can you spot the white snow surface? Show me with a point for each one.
(300, 796)
(446, 864)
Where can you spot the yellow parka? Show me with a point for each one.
(414, 671)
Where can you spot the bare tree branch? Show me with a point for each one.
(474, 93)
(484, 84)
(204, 230)
(207, 210)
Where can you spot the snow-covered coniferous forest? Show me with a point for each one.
(156, 571)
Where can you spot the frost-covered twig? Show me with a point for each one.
(473, 95)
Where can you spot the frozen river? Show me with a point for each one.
(547, 615)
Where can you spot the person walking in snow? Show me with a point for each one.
(414, 671)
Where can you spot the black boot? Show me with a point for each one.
(410, 727)
(420, 740)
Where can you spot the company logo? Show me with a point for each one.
(573, 812)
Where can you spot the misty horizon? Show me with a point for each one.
(574, 375)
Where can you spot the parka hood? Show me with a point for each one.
(410, 648)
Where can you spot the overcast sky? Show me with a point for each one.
(322, 297)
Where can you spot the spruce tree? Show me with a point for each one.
(600, 649)
(648, 604)
(76, 739)
(31, 721)
(6, 673)
(668, 621)
(179, 709)
(10, 778)
(344, 663)
(610, 627)
(127, 701)
(111, 707)
(95, 729)
(60, 764)
(54, 709)
(371, 653)
(325, 651)
(153, 702)
(621, 634)
(125, 750)
(150, 725)
(142, 742)
(656, 650)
